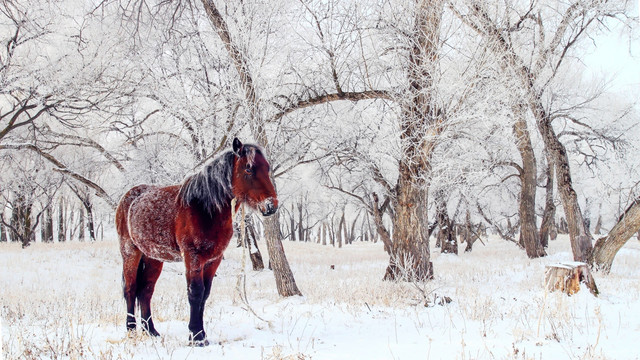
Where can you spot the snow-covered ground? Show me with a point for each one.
(64, 301)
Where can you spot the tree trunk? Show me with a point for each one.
(324, 233)
(579, 235)
(81, 224)
(21, 230)
(340, 232)
(563, 228)
(446, 234)
(410, 257)
(3, 233)
(469, 235)
(90, 221)
(380, 228)
(548, 226)
(292, 225)
(420, 125)
(528, 173)
(61, 222)
(252, 244)
(47, 226)
(285, 282)
(607, 247)
(301, 236)
(598, 228)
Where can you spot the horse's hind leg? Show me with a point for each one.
(148, 272)
(131, 261)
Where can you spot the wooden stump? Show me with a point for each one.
(567, 276)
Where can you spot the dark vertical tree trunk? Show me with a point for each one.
(292, 225)
(61, 222)
(528, 174)
(470, 236)
(47, 226)
(21, 230)
(81, 219)
(324, 233)
(90, 221)
(3, 233)
(563, 228)
(340, 232)
(446, 233)
(301, 228)
(548, 226)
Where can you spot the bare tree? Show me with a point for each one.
(557, 33)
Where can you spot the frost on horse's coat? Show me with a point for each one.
(190, 222)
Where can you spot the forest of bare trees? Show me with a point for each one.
(402, 122)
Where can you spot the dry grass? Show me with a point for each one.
(64, 301)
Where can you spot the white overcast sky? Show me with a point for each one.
(618, 56)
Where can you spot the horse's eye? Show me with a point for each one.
(248, 170)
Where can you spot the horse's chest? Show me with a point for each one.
(211, 243)
(203, 236)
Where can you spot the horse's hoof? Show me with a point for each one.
(199, 343)
(152, 332)
(199, 340)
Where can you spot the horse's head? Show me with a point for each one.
(251, 181)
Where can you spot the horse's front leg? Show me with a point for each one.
(208, 273)
(196, 291)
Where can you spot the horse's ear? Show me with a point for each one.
(237, 147)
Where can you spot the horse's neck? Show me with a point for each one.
(225, 213)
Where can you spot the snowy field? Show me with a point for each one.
(63, 301)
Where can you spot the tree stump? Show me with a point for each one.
(567, 276)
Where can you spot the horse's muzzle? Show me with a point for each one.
(269, 207)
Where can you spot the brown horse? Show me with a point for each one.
(190, 222)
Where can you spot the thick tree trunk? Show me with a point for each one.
(528, 173)
(285, 282)
(410, 257)
(607, 247)
(420, 126)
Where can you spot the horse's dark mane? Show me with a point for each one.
(211, 188)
